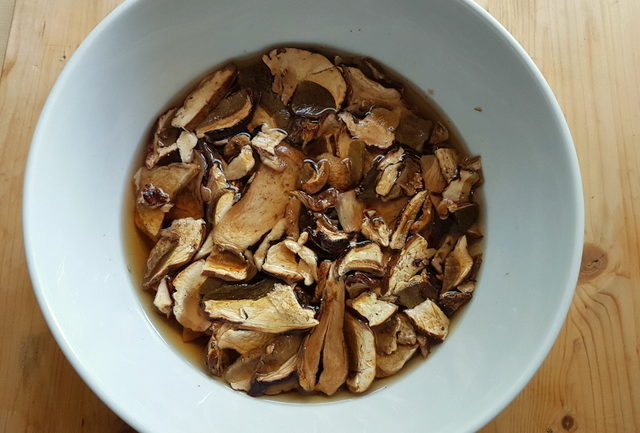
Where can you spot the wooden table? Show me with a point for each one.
(590, 382)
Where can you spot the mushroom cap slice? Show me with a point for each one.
(228, 116)
(375, 229)
(459, 190)
(458, 265)
(362, 354)
(278, 311)
(275, 234)
(373, 309)
(448, 161)
(176, 246)
(430, 319)
(164, 139)
(388, 365)
(262, 205)
(452, 301)
(229, 266)
(431, 174)
(413, 258)
(207, 95)
(408, 217)
(366, 257)
(365, 93)
(281, 262)
(350, 211)
(186, 308)
(376, 129)
(265, 142)
(243, 341)
(292, 66)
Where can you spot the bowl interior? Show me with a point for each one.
(148, 51)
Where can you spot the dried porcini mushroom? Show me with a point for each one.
(309, 220)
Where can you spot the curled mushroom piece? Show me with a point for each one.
(413, 258)
(390, 166)
(163, 141)
(187, 298)
(366, 258)
(365, 93)
(409, 215)
(229, 266)
(318, 177)
(376, 129)
(265, 142)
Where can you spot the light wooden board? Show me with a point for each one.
(587, 49)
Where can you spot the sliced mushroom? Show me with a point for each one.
(376, 129)
(265, 142)
(292, 66)
(386, 336)
(261, 117)
(466, 217)
(240, 374)
(452, 301)
(448, 162)
(176, 246)
(473, 163)
(229, 266)
(163, 141)
(416, 290)
(391, 166)
(388, 365)
(431, 174)
(366, 257)
(278, 361)
(207, 95)
(373, 309)
(467, 287)
(217, 182)
(328, 238)
(162, 300)
(275, 234)
(278, 311)
(318, 177)
(319, 202)
(282, 263)
(410, 179)
(217, 359)
(365, 93)
(243, 341)
(262, 205)
(187, 298)
(459, 190)
(457, 266)
(223, 205)
(440, 134)
(153, 197)
(232, 113)
(413, 131)
(292, 215)
(375, 229)
(216, 289)
(308, 265)
(405, 333)
(430, 319)
(358, 282)
(350, 211)
(413, 258)
(186, 143)
(170, 179)
(241, 165)
(188, 203)
(409, 215)
(362, 354)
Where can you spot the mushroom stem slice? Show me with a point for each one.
(376, 311)
(448, 161)
(187, 298)
(366, 258)
(376, 129)
(409, 215)
(429, 319)
(388, 365)
(413, 258)
(350, 211)
(458, 265)
(162, 300)
(362, 354)
(241, 165)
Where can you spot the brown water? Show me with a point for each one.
(138, 246)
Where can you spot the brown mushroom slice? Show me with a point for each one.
(440, 134)
(413, 258)
(416, 290)
(229, 266)
(240, 374)
(413, 131)
(281, 262)
(319, 202)
(386, 336)
(473, 163)
(458, 265)
(373, 309)
(410, 179)
(467, 287)
(278, 311)
(275, 234)
(388, 365)
(350, 211)
(217, 360)
(265, 142)
(311, 100)
(241, 165)
(429, 319)
(243, 341)
(263, 204)
(186, 308)
(366, 257)
(231, 113)
(359, 282)
(390, 166)
(176, 246)
(207, 95)
(406, 335)
(292, 216)
(362, 354)
(162, 299)
(459, 190)
(164, 139)
(376, 129)
(409, 215)
(452, 301)
(442, 252)
(170, 179)
(292, 66)
(261, 117)
(375, 229)
(189, 201)
(279, 359)
(217, 183)
(365, 93)
(431, 174)
(318, 177)
(328, 238)
(448, 162)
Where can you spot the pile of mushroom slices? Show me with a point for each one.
(310, 225)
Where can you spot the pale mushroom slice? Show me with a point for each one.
(275, 234)
(226, 200)
(409, 215)
(188, 202)
(388, 365)
(162, 299)
(391, 166)
(278, 311)
(366, 257)
(176, 246)
(350, 211)
(228, 116)
(448, 161)
(156, 182)
(217, 360)
(240, 374)
(186, 142)
(339, 171)
(365, 93)
(376, 311)
(442, 252)
(457, 266)
(439, 134)
(459, 190)
(241, 165)
(265, 143)
(186, 308)
(229, 265)
(359, 282)
(282, 263)
(207, 95)
(292, 66)
(308, 264)
(429, 319)
(376, 129)
(243, 341)
(319, 202)
(163, 141)
(375, 229)
(317, 176)
(413, 258)
(263, 204)
(362, 354)
(431, 174)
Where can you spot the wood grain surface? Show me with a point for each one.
(590, 382)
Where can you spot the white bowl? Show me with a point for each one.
(146, 52)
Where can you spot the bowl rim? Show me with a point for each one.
(493, 409)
